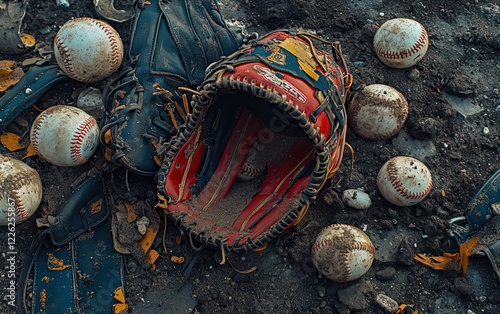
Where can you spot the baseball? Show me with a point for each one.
(255, 164)
(20, 191)
(65, 135)
(342, 252)
(377, 112)
(88, 50)
(404, 181)
(400, 43)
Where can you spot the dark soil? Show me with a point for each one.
(454, 109)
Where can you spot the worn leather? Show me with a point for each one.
(172, 43)
(272, 83)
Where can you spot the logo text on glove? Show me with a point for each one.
(288, 87)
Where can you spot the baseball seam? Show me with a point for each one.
(35, 132)
(77, 140)
(345, 253)
(353, 118)
(398, 185)
(66, 57)
(21, 211)
(115, 52)
(405, 54)
(251, 171)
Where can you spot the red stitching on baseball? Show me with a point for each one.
(347, 269)
(398, 185)
(35, 131)
(21, 211)
(251, 171)
(66, 57)
(77, 139)
(404, 54)
(114, 43)
(353, 246)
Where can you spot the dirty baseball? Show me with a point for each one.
(88, 50)
(65, 135)
(400, 43)
(377, 112)
(20, 191)
(342, 252)
(404, 181)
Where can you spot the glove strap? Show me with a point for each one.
(484, 205)
(29, 89)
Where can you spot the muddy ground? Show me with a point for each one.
(454, 109)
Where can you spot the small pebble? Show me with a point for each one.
(359, 64)
(22, 122)
(142, 225)
(381, 14)
(387, 303)
(30, 61)
(486, 130)
(44, 30)
(385, 274)
(90, 98)
(356, 199)
(414, 74)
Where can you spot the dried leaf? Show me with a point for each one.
(118, 294)
(464, 251)
(9, 76)
(10, 141)
(131, 215)
(43, 298)
(442, 262)
(151, 257)
(401, 308)
(30, 152)
(96, 206)
(5, 66)
(177, 259)
(108, 153)
(53, 263)
(120, 308)
(28, 40)
(436, 262)
(149, 237)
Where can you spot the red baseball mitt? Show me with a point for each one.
(266, 132)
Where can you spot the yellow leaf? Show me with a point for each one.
(152, 256)
(10, 141)
(441, 262)
(131, 215)
(120, 308)
(108, 153)
(401, 308)
(149, 237)
(30, 152)
(28, 40)
(5, 66)
(177, 259)
(96, 206)
(9, 76)
(464, 251)
(118, 294)
(53, 263)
